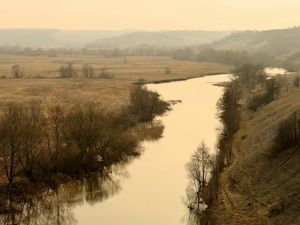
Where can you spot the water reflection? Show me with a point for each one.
(54, 204)
(54, 207)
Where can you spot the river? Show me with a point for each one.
(150, 189)
(153, 192)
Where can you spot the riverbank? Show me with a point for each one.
(260, 186)
(44, 148)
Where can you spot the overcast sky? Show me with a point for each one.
(150, 14)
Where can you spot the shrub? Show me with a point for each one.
(17, 71)
(297, 81)
(145, 104)
(67, 71)
(105, 74)
(273, 87)
(167, 70)
(288, 133)
(88, 70)
(258, 100)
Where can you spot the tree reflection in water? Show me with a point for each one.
(25, 205)
(54, 207)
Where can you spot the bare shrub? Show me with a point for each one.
(145, 104)
(105, 74)
(297, 81)
(88, 71)
(17, 71)
(272, 90)
(167, 70)
(67, 71)
(258, 100)
(288, 133)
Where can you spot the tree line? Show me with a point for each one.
(230, 57)
(143, 50)
(66, 71)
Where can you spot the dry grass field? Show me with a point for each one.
(41, 81)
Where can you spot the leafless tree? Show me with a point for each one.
(11, 139)
(55, 133)
(33, 138)
(198, 171)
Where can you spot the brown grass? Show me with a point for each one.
(147, 68)
(260, 182)
(111, 93)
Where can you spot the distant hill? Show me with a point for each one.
(53, 37)
(160, 39)
(279, 42)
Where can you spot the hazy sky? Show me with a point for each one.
(150, 14)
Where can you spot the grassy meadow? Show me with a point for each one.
(42, 80)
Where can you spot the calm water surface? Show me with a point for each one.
(149, 190)
(152, 194)
(152, 191)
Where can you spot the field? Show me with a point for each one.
(42, 81)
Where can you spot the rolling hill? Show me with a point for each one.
(159, 39)
(280, 42)
(53, 37)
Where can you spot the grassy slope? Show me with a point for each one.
(276, 42)
(112, 93)
(259, 181)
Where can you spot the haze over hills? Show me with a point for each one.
(54, 37)
(279, 42)
(160, 39)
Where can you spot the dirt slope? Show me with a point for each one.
(261, 187)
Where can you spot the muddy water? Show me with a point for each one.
(152, 194)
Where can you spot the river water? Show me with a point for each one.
(150, 189)
(153, 192)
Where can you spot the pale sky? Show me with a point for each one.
(150, 14)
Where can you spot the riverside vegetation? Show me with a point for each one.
(44, 147)
(250, 89)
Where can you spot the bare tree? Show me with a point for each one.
(273, 88)
(11, 139)
(87, 70)
(55, 133)
(33, 139)
(17, 71)
(198, 170)
(250, 75)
